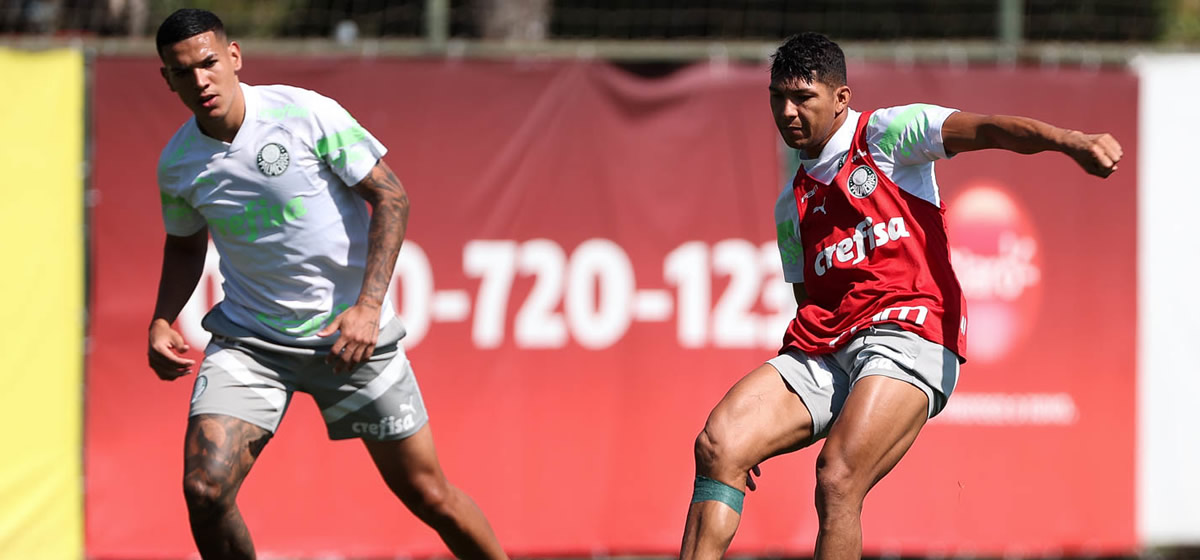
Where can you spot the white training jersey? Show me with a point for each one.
(291, 234)
(904, 142)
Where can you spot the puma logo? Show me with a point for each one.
(408, 407)
(821, 207)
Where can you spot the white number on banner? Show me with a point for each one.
(537, 324)
(413, 280)
(686, 267)
(494, 262)
(600, 290)
(595, 286)
(734, 326)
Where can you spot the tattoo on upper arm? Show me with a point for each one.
(389, 221)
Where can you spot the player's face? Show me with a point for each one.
(805, 113)
(202, 70)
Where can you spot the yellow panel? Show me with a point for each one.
(41, 344)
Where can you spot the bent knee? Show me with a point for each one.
(839, 484)
(427, 496)
(720, 454)
(202, 493)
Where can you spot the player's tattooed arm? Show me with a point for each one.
(359, 325)
(389, 220)
(1097, 154)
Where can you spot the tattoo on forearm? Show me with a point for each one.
(389, 220)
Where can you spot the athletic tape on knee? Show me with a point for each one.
(707, 489)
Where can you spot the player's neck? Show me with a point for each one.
(838, 121)
(226, 128)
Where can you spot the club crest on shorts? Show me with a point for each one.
(201, 385)
(273, 159)
(862, 181)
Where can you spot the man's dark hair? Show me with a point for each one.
(187, 23)
(809, 57)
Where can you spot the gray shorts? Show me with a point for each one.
(823, 381)
(379, 400)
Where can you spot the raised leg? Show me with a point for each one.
(757, 419)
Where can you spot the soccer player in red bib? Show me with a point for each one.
(880, 326)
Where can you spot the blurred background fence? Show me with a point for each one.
(1055, 29)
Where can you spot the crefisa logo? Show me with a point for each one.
(996, 254)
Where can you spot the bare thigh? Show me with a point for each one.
(218, 453)
(759, 418)
(877, 426)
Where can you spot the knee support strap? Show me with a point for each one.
(707, 489)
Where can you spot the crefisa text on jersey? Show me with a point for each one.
(868, 235)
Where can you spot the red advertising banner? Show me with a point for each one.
(590, 264)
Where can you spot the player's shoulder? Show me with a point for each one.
(175, 153)
(279, 95)
(296, 108)
(905, 115)
(889, 126)
(273, 95)
(285, 104)
(178, 140)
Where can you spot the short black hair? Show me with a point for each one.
(186, 23)
(809, 56)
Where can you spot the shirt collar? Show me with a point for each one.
(825, 166)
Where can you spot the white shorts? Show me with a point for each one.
(824, 381)
(254, 381)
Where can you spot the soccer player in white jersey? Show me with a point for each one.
(281, 177)
(880, 324)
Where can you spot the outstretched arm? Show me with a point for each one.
(1097, 154)
(389, 219)
(183, 264)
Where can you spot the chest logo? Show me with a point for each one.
(862, 182)
(273, 159)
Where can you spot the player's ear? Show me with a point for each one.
(842, 96)
(166, 78)
(235, 55)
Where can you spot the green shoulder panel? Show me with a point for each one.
(894, 138)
